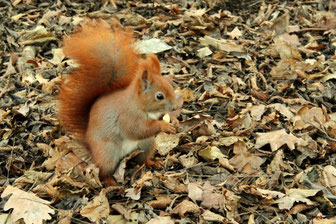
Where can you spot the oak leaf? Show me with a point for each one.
(244, 160)
(96, 209)
(186, 207)
(276, 139)
(26, 206)
(235, 33)
(296, 195)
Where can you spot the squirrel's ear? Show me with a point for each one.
(155, 63)
(145, 80)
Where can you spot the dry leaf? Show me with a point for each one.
(195, 193)
(296, 195)
(245, 161)
(97, 209)
(211, 197)
(186, 207)
(188, 161)
(277, 165)
(160, 202)
(224, 162)
(286, 51)
(122, 210)
(235, 33)
(119, 173)
(280, 25)
(223, 45)
(211, 153)
(203, 52)
(212, 217)
(26, 206)
(320, 220)
(153, 45)
(187, 95)
(230, 204)
(166, 142)
(161, 220)
(309, 116)
(330, 173)
(276, 139)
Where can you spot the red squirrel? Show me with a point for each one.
(112, 101)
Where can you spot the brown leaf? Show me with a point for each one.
(195, 193)
(299, 208)
(211, 153)
(330, 173)
(244, 160)
(211, 197)
(280, 25)
(286, 51)
(277, 164)
(296, 195)
(161, 220)
(224, 162)
(135, 192)
(26, 206)
(309, 116)
(98, 208)
(160, 202)
(212, 217)
(172, 180)
(69, 161)
(65, 216)
(126, 213)
(267, 194)
(283, 110)
(235, 33)
(186, 207)
(221, 44)
(166, 142)
(276, 139)
(119, 173)
(231, 201)
(187, 95)
(188, 161)
(320, 220)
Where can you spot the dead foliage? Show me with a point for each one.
(258, 126)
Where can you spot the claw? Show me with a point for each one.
(175, 122)
(155, 164)
(109, 181)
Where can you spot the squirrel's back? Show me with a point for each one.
(107, 60)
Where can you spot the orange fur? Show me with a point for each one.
(113, 100)
(107, 61)
(121, 122)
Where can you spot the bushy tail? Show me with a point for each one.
(107, 61)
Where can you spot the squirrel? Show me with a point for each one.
(112, 101)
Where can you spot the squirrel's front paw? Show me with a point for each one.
(167, 127)
(175, 122)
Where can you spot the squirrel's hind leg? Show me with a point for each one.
(106, 156)
(148, 146)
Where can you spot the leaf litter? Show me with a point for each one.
(257, 133)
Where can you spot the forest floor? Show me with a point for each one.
(258, 125)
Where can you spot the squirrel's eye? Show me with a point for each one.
(159, 96)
